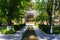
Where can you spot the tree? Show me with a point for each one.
(41, 6)
(12, 9)
(49, 11)
(8, 8)
(52, 9)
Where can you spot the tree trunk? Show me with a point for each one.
(21, 20)
(9, 23)
(52, 21)
(59, 20)
(0, 20)
(50, 17)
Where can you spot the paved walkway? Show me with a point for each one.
(40, 34)
(16, 36)
(43, 36)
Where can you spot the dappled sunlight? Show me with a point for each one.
(43, 36)
(33, 37)
(29, 34)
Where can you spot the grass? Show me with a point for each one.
(29, 34)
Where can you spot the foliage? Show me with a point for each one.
(13, 9)
(41, 8)
(46, 29)
(56, 30)
(42, 17)
(2, 28)
(52, 9)
(14, 29)
(37, 24)
(46, 7)
(8, 32)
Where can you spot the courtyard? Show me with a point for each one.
(29, 19)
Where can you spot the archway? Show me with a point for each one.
(29, 17)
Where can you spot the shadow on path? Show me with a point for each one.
(43, 36)
(29, 34)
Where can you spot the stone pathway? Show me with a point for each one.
(16, 36)
(40, 34)
(30, 34)
(43, 36)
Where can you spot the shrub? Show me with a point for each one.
(5, 31)
(14, 29)
(17, 27)
(45, 28)
(8, 32)
(36, 24)
(56, 30)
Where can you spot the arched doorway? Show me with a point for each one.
(29, 17)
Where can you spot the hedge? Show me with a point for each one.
(17, 27)
(45, 28)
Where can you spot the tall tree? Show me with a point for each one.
(8, 7)
(52, 9)
(11, 9)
